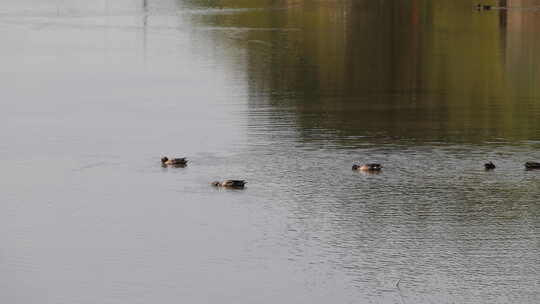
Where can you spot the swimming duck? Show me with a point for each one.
(367, 167)
(532, 165)
(489, 166)
(483, 7)
(165, 161)
(230, 183)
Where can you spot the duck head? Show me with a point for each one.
(355, 167)
(164, 159)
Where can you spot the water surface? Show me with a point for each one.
(288, 95)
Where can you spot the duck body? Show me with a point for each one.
(483, 7)
(230, 183)
(532, 165)
(489, 166)
(173, 161)
(367, 167)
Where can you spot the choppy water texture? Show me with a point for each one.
(287, 95)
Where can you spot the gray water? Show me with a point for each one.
(287, 96)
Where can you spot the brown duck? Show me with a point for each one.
(165, 161)
(230, 183)
(367, 167)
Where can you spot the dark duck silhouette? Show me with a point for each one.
(367, 167)
(483, 7)
(230, 183)
(532, 165)
(175, 162)
(489, 166)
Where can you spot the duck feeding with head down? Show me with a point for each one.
(368, 167)
(230, 183)
(175, 162)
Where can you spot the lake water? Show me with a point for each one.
(287, 95)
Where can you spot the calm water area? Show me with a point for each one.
(287, 94)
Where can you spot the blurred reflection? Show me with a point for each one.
(421, 70)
